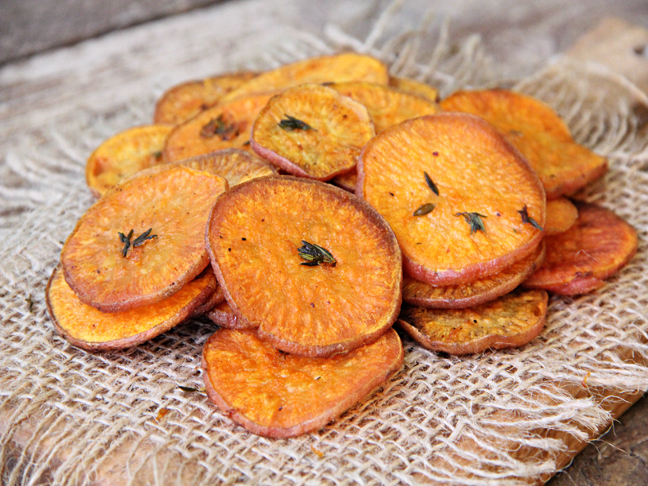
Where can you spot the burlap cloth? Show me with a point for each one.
(71, 417)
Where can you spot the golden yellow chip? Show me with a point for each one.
(415, 87)
(561, 215)
(184, 101)
(510, 321)
(144, 240)
(124, 154)
(223, 315)
(88, 328)
(275, 394)
(312, 131)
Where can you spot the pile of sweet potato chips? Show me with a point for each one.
(299, 207)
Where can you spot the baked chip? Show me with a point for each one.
(538, 133)
(347, 181)
(421, 294)
(348, 66)
(124, 154)
(226, 125)
(184, 101)
(415, 87)
(235, 165)
(561, 215)
(282, 395)
(510, 321)
(312, 131)
(215, 299)
(93, 330)
(581, 258)
(223, 316)
(316, 269)
(144, 240)
(462, 202)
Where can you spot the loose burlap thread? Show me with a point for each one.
(72, 417)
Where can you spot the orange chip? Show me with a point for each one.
(217, 298)
(538, 133)
(184, 101)
(312, 131)
(510, 321)
(593, 249)
(415, 87)
(561, 215)
(226, 125)
(467, 295)
(316, 269)
(461, 201)
(347, 181)
(144, 240)
(88, 328)
(124, 154)
(223, 316)
(283, 395)
(233, 164)
(347, 66)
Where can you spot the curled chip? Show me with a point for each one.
(561, 215)
(454, 191)
(347, 66)
(538, 133)
(124, 154)
(415, 87)
(88, 328)
(315, 268)
(144, 240)
(184, 101)
(233, 164)
(312, 131)
(283, 395)
(507, 322)
(593, 249)
(226, 125)
(223, 316)
(215, 299)
(486, 289)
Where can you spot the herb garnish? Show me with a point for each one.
(425, 209)
(315, 254)
(291, 123)
(191, 389)
(528, 219)
(217, 126)
(431, 184)
(139, 241)
(126, 241)
(474, 220)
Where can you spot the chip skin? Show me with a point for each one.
(226, 125)
(478, 292)
(184, 101)
(111, 275)
(510, 321)
(123, 155)
(581, 258)
(235, 165)
(281, 395)
(93, 330)
(257, 240)
(538, 133)
(415, 87)
(453, 190)
(312, 131)
(223, 316)
(561, 215)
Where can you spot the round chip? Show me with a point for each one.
(415, 87)
(593, 249)
(88, 328)
(316, 269)
(421, 294)
(223, 316)
(144, 240)
(561, 215)
(283, 395)
(123, 155)
(510, 321)
(312, 131)
(538, 133)
(461, 201)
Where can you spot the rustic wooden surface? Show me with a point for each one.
(102, 72)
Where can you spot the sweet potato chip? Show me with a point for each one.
(415, 87)
(144, 240)
(421, 294)
(593, 249)
(316, 269)
(233, 164)
(460, 199)
(184, 101)
(215, 299)
(283, 395)
(561, 215)
(510, 321)
(312, 131)
(347, 181)
(226, 125)
(124, 154)
(538, 133)
(347, 66)
(223, 315)
(88, 328)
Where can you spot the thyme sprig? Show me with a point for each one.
(524, 212)
(474, 220)
(291, 123)
(139, 241)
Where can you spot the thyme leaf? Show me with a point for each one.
(143, 237)
(126, 240)
(218, 126)
(430, 183)
(474, 220)
(425, 209)
(528, 219)
(291, 123)
(315, 254)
